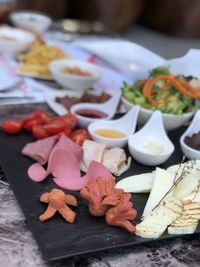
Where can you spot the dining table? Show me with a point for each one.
(19, 248)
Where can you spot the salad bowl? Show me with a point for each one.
(171, 121)
(172, 94)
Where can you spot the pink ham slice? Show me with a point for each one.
(75, 183)
(40, 150)
(37, 173)
(65, 167)
(66, 143)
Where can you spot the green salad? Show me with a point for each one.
(162, 91)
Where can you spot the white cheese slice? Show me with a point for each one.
(155, 224)
(178, 229)
(194, 196)
(187, 222)
(161, 185)
(186, 186)
(195, 171)
(141, 183)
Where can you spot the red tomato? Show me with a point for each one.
(38, 114)
(12, 126)
(70, 119)
(39, 132)
(28, 125)
(79, 136)
(67, 132)
(28, 118)
(55, 126)
(42, 115)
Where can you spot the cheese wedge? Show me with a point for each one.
(187, 222)
(161, 185)
(141, 183)
(155, 224)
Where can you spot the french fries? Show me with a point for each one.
(37, 59)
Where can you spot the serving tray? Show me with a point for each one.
(56, 238)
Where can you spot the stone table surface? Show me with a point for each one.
(18, 248)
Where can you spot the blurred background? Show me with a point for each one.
(168, 27)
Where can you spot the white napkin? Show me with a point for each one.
(187, 65)
(129, 58)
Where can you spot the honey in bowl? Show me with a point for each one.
(109, 133)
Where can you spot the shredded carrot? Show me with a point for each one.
(182, 86)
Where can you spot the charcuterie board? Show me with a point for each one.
(56, 238)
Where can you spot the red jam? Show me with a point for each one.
(91, 113)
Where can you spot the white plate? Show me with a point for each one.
(8, 77)
(8, 85)
(55, 106)
(35, 76)
(129, 58)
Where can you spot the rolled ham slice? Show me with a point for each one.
(65, 167)
(40, 149)
(66, 143)
(37, 173)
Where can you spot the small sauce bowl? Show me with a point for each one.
(151, 145)
(125, 125)
(108, 108)
(193, 128)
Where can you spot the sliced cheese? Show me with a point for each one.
(187, 222)
(181, 229)
(195, 171)
(155, 224)
(186, 186)
(141, 183)
(194, 196)
(161, 185)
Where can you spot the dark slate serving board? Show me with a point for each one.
(56, 238)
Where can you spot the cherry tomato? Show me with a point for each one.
(28, 118)
(12, 126)
(79, 136)
(55, 126)
(67, 132)
(39, 132)
(70, 119)
(42, 115)
(28, 125)
(38, 114)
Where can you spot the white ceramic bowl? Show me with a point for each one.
(29, 20)
(71, 81)
(14, 41)
(194, 127)
(171, 121)
(125, 125)
(154, 131)
(109, 107)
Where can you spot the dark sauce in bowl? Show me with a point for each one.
(91, 113)
(193, 141)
